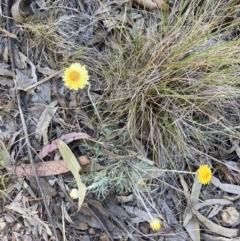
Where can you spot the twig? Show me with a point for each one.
(43, 80)
(25, 127)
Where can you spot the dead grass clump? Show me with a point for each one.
(173, 81)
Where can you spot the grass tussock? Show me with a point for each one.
(170, 82)
(177, 81)
(173, 84)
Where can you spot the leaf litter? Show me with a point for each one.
(44, 131)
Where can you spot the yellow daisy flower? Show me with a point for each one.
(76, 76)
(155, 224)
(74, 194)
(204, 174)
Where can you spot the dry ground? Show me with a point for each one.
(163, 99)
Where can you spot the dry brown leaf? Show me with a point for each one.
(46, 70)
(24, 59)
(92, 167)
(30, 215)
(67, 138)
(44, 121)
(85, 216)
(3, 225)
(190, 222)
(153, 4)
(83, 160)
(20, 10)
(65, 213)
(102, 215)
(215, 238)
(47, 188)
(23, 81)
(226, 232)
(104, 237)
(207, 223)
(211, 202)
(47, 168)
(230, 188)
(125, 199)
(144, 216)
(4, 71)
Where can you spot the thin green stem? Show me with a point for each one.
(93, 104)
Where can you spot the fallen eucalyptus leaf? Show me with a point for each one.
(230, 188)
(74, 167)
(211, 202)
(50, 168)
(46, 70)
(67, 138)
(226, 232)
(190, 222)
(214, 238)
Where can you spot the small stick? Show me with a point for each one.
(42, 81)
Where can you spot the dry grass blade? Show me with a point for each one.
(10, 35)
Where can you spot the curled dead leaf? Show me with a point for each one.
(20, 10)
(67, 138)
(230, 188)
(125, 199)
(153, 4)
(227, 232)
(230, 216)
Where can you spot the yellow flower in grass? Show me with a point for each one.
(155, 224)
(76, 76)
(204, 174)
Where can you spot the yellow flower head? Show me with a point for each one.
(76, 76)
(204, 174)
(74, 194)
(155, 224)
